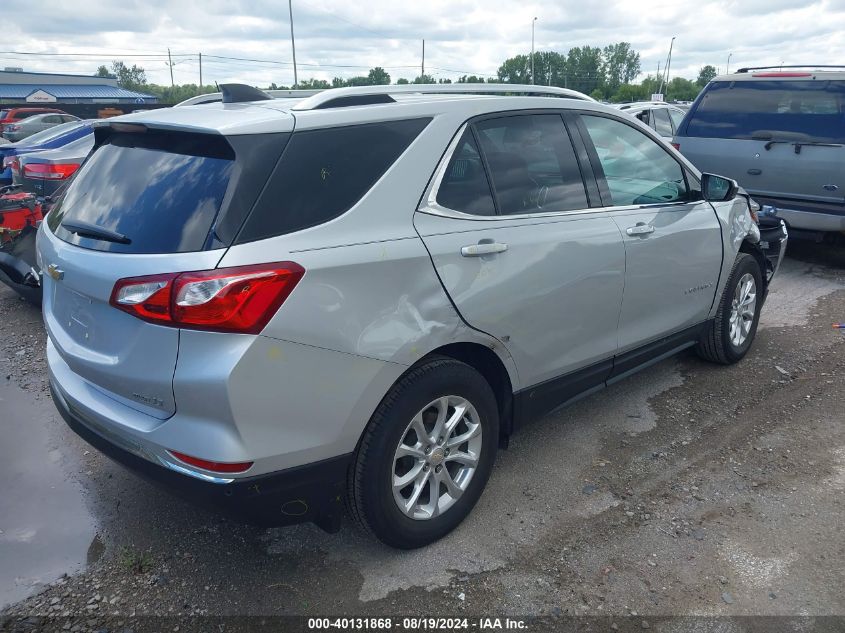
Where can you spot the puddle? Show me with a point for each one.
(45, 527)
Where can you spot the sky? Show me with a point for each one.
(335, 38)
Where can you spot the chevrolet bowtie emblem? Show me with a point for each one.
(55, 272)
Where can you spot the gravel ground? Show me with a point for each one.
(688, 489)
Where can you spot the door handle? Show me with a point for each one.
(641, 228)
(483, 248)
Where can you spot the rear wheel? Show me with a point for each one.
(729, 335)
(426, 454)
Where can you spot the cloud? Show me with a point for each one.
(335, 38)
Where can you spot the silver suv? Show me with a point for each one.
(275, 306)
(780, 132)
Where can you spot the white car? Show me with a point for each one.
(663, 118)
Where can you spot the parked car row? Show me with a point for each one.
(18, 123)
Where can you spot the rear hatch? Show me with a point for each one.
(146, 202)
(779, 138)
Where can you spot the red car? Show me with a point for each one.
(13, 115)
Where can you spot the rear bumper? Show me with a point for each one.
(809, 221)
(312, 492)
(804, 216)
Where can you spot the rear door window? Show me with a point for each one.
(323, 173)
(676, 117)
(662, 124)
(812, 111)
(161, 191)
(464, 187)
(532, 164)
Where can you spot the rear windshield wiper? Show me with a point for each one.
(769, 141)
(84, 229)
(800, 144)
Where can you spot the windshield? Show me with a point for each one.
(808, 111)
(53, 133)
(3, 114)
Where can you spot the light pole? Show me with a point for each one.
(665, 79)
(728, 65)
(532, 50)
(292, 44)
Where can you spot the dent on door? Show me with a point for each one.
(552, 295)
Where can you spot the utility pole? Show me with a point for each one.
(532, 49)
(292, 43)
(422, 73)
(728, 65)
(200, 70)
(170, 63)
(665, 78)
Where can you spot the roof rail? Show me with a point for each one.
(750, 68)
(217, 97)
(342, 97)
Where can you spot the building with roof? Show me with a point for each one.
(17, 86)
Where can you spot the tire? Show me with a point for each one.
(721, 342)
(428, 394)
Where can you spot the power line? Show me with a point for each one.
(96, 55)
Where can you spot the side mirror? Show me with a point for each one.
(718, 188)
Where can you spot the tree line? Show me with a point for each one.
(606, 74)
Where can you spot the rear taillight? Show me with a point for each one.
(677, 146)
(241, 299)
(44, 171)
(216, 467)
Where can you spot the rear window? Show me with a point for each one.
(45, 136)
(812, 111)
(324, 173)
(25, 114)
(161, 191)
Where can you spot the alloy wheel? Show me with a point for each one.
(437, 457)
(743, 309)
